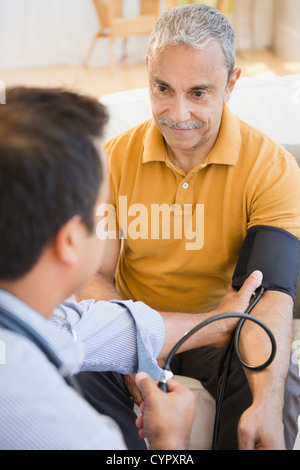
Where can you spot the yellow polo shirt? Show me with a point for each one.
(183, 232)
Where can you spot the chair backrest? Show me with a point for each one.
(104, 12)
(149, 7)
(221, 5)
(117, 8)
(175, 3)
(107, 10)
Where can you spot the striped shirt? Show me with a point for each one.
(38, 410)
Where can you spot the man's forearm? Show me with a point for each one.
(177, 324)
(99, 288)
(216, 334)
(275, 309)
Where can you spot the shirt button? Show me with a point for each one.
(185, 185)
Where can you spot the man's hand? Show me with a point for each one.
(261, 429)
(261, 425)
(167, 418)
(130, 383)
(234, 302)
(238, 301)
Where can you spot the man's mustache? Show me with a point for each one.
(187, 126)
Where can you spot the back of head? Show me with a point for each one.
(194, 25)
(50, 170)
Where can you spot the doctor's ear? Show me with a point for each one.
(231, 84)
(69, 240)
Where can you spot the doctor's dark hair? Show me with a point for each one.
(50, 170)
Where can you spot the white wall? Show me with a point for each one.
(287, 29)
(37, 33)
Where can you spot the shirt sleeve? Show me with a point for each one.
(276, 196)
(40, 412)
(119, 336)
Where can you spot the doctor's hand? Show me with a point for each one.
(167, 418)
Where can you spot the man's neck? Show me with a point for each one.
(186, 160)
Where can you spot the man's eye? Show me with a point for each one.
(198, 93)
(161, 88)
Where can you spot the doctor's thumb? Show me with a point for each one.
(144, 383)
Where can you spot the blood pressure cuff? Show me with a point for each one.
(273, 251)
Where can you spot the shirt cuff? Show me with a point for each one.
(150, 333)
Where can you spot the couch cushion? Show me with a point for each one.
(271, 104)
(294, 150)
(126, 109)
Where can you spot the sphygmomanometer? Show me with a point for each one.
(273, 251)
(276, 253)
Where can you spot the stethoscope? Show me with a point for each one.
(13, 323)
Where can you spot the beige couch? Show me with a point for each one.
(271, 104)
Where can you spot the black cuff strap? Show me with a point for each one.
(273, 251)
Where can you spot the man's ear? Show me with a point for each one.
(231, 84)
(68, 241)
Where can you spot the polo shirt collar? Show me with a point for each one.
(228, 144)
(154, 146)
(225, 151)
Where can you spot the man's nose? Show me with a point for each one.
(179, 110)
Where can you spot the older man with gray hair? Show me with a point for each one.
(194, 154)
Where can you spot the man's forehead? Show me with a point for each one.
(195, 68)
(212, 55)
(195, 84)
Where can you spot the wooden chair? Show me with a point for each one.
(114, 25)
(222, 5)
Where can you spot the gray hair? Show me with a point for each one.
(195, 25)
